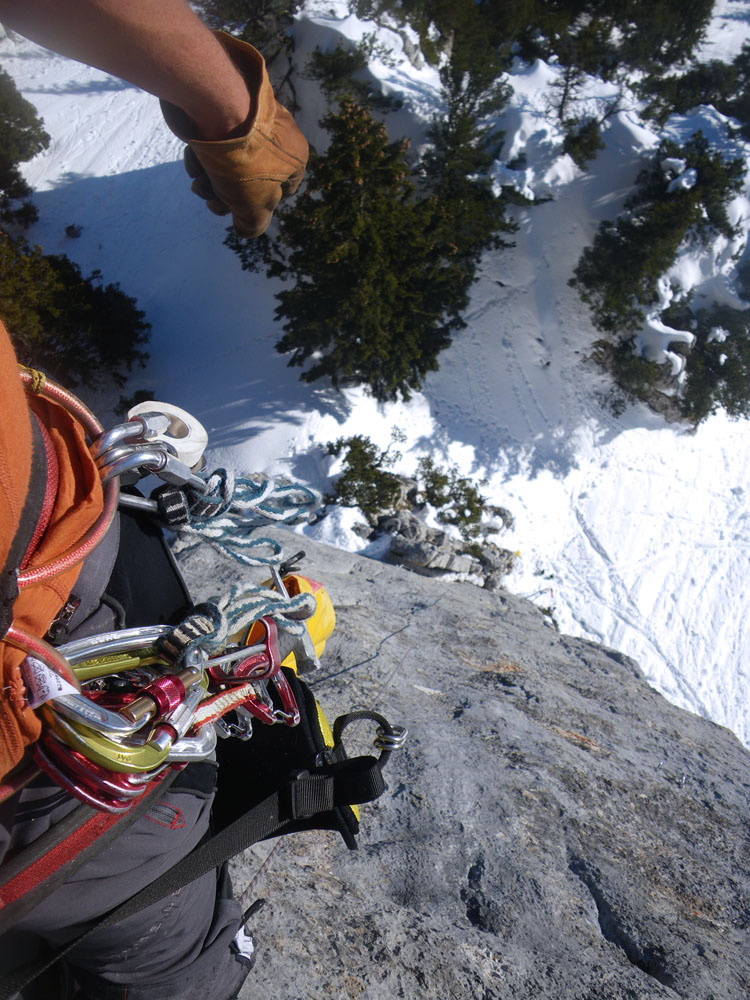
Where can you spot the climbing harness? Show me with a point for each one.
(122, 709)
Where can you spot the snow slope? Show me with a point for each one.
(632, 532)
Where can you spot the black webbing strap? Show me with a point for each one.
(303, 796)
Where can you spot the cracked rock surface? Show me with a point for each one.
(553, 829)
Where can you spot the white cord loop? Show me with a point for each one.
(228, 511)
(237, 610)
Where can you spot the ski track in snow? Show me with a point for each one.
(627, 611)
(636, 533)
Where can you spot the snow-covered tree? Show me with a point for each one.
(263, 23)
(464, 145)
(618, 275)
(718, 370)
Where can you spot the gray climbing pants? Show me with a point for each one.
(179, 948)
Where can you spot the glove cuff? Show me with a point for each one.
(248, 174)
(252, 67)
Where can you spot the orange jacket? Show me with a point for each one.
(76, 506)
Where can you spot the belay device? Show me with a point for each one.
(126, 707)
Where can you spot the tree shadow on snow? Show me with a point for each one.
(111, 83)
(213, 330)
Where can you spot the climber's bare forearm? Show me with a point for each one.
(158, 45)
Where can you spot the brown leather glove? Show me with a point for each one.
(249, 175)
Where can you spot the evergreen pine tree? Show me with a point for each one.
(342, 73)
(724, 85)
(22, 136)
(365, 481)
(74, 327)
(712, 82)
(718, 369)
(583, 140)
(455, 169)
(377, 291)
(597, 36)
(263, 23)
(656, 34)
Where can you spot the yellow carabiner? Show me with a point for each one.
(102, 750)
(116, 663)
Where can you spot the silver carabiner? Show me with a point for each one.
(124, 641)
(79, 708)
(241, 653)
(113, 456)
(192, 748)
(151, 458)
(142, 427)
(241, 730)
(181, 718)
(157, 460)
(395, 740)
(133, 429)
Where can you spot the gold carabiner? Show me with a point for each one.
(117, 663)
(102, 750)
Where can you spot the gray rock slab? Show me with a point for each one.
(553, 829)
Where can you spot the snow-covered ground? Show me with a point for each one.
(635, 533)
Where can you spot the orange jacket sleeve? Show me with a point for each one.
(76, 506)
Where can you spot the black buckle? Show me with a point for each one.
(309, 794)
